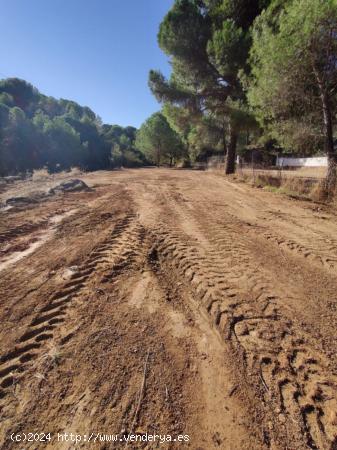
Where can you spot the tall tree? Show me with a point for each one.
(208, 42)
(158, 141)
(295, 74)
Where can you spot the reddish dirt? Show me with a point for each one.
(169, 302)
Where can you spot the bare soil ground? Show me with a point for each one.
(168, 302)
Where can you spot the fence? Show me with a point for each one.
(216, 162)
(319, 161)
(314, 168)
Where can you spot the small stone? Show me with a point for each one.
(282, 418)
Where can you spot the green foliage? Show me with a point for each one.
(18, 150)
(6, 99)
(228, 48)
(179, 119)
(158, 141)
(205, 139)
(120, 143)
(39, 131)
(22, 93)
(208, 43)
(293, 64)
(184, 32)
(64, 149)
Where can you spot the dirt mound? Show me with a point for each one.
(35, 197)
(72, 185)
(75, 185)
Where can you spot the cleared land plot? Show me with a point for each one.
(173, 302)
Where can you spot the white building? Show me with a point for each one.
(316, 161)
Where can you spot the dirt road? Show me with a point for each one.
(172, 303)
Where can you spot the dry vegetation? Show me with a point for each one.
(305, 183)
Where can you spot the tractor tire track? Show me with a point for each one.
(247, 309)
(117, 251)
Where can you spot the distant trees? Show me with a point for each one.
(18, 149)
(294, 83)
(201, 134)
(158, 141)
(21, 93)
(120, 143)
(62, 143)
(39, 131)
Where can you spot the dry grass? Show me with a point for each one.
(302, 172)
(305, 182)
(53, 356)
(43, 175)
(305, 188)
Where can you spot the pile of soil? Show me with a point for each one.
(75, 185)
(35, 197)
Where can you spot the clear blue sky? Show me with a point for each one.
(96, 52)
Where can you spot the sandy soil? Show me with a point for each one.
(168, 302)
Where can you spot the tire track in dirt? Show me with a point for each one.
(320, 251)
(313, 241)
(276, 342)
(214, 255)
(218, 385)
(325, 256)
(27, 228)
(116, 251)
(132, 252)
(23, 229)
(246, 308)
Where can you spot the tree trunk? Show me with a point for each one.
(231, 152)
(158, 157)
(331, 178)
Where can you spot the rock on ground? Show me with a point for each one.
(74, 185)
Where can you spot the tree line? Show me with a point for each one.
(37, 131)
(245, 73)
(251, 72)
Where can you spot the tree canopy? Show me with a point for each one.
(294, 76)
(38, 131)
(158, 141)
(208, 42)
